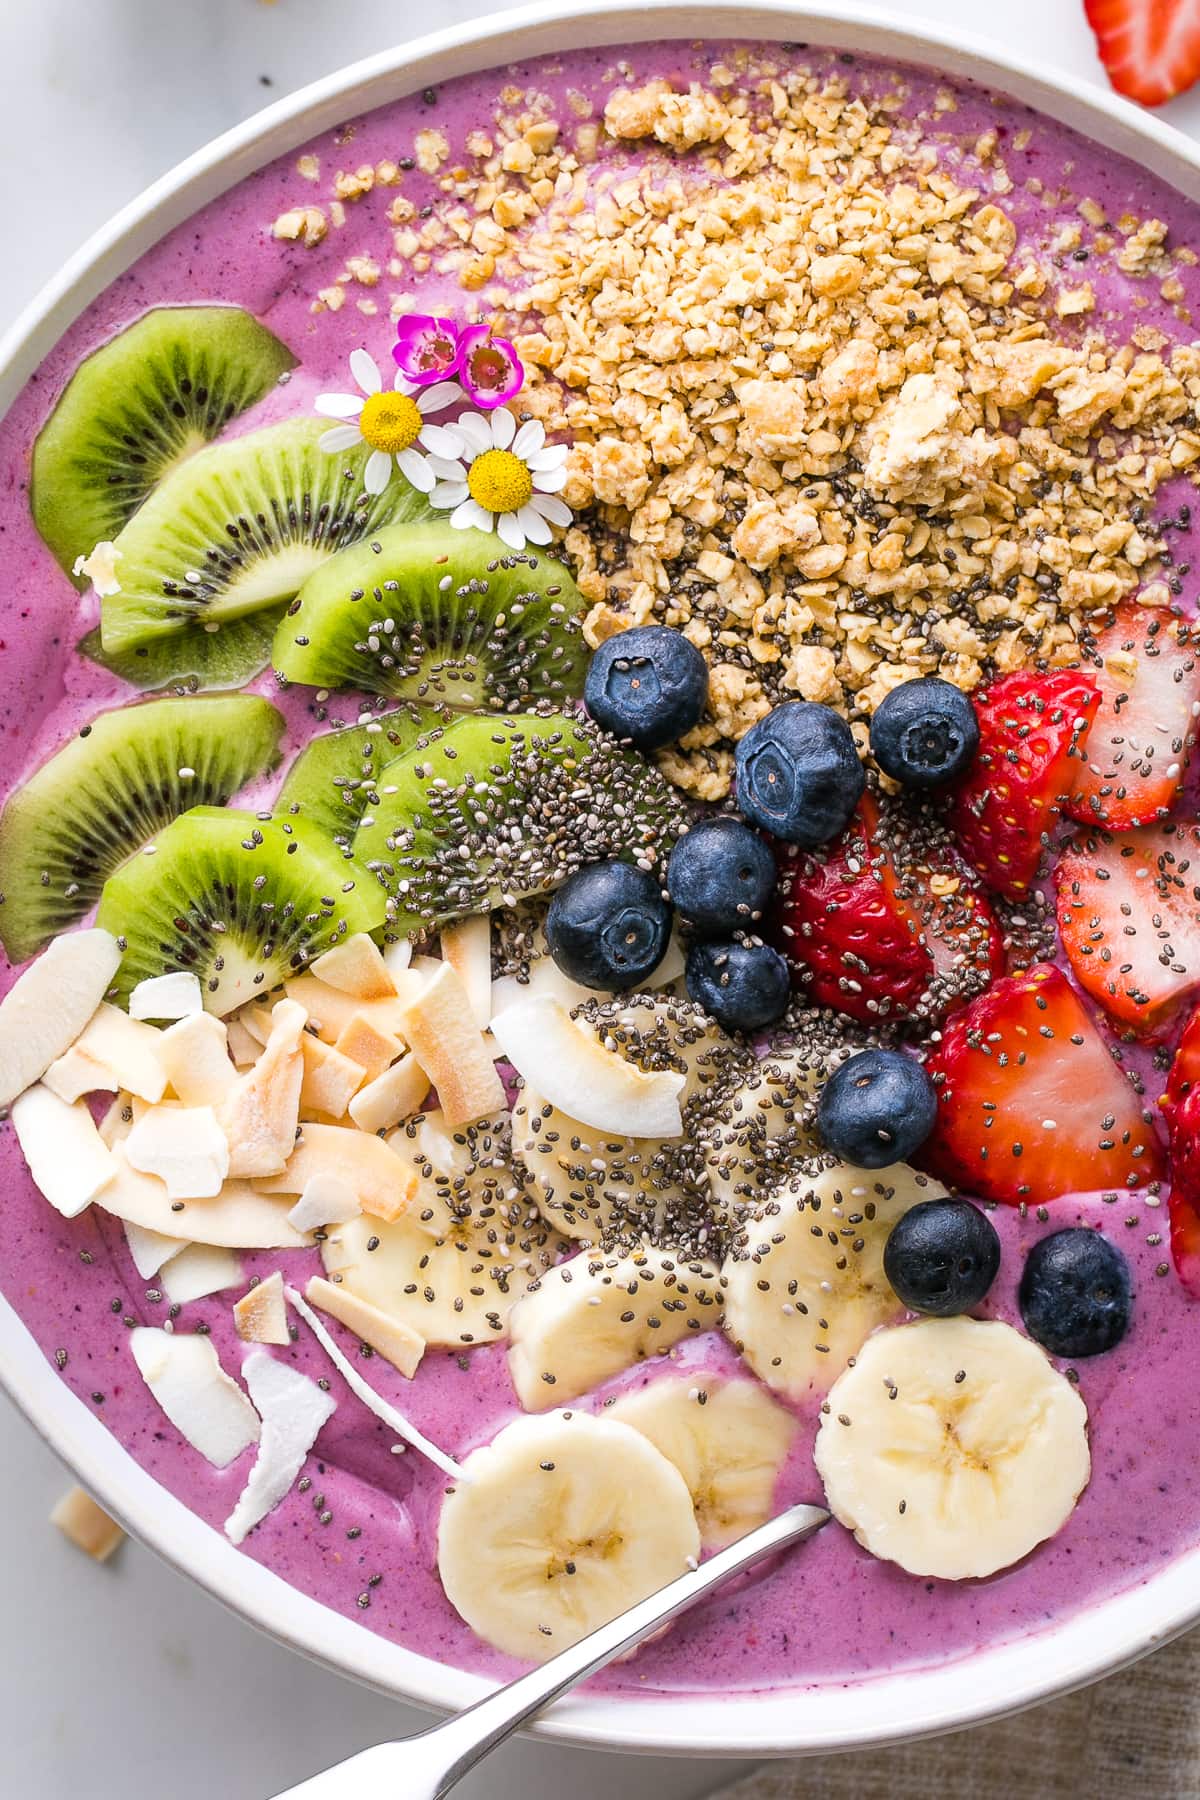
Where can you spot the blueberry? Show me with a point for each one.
(877, 1109)
(743, 985)
(942, 1257)
(649, 685)
(720, 877)
(924, 732)
(1075, 1294)
(608, 926)
(798, 773)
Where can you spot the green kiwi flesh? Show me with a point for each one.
(106, 793)
(491, 811)
(336, 777)
(135, 408)
(424, 612)
(241, 526)
(239, 899)
(226, 654)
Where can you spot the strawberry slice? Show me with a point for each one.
(1150, 48)
(1031, 732)
(1142, 737)
(885, 922)
(1181, 1108)
(1031, 1104)
(1129, 918)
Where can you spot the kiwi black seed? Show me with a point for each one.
(336, 777)
(491, 811)
(240, 527)
(134, 409)
(241, 900)
(427, 613)
(105, 794)
(198, 657)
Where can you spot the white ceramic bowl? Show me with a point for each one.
(839, 1715)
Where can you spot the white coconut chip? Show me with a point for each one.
(174, 996)
(205, 1405)
(184, 1147)
(574, 1071)
(326, 1200)
(128, 1048)
(150, 1250)
(195, 1055)
(293, 1410)
(260, 1316)
(200, 1270)
(68, 1159)
(48, 1006)
(238, 1218)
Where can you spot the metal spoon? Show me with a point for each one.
(429, 1765)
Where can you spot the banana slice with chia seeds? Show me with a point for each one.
(561, 1523)
(728, 1439)
(755, 1127)
(953, 1447)
(453, 1266)
(804, 1283)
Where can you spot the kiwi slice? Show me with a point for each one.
(336, 776)
(239, 899)
(492, 810)
(425, 612)
(137, 407)
(241, 526)
(225, 655)
(107, 792)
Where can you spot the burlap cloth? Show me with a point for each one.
(1135, 1736)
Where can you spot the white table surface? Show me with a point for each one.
(126, 1680)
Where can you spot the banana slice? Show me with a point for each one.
(561, 1523)
(455, 1264)
(589, 1318)
(953, 1447)
(758, 1123)
(601, 1188)
(804, 1285)
(728, 1440)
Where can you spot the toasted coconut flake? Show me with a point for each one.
(150, 1250)
(261, 1111)
(356, 967)
(383, 1180)
(48, 1006)
(195, 1055)
(326, 1200)
(330, 1011)
(76, 1073)
(204, 1404)
(373, 1050)
(441, 1029)
(198, 1271)
(391, 1097)
(244, 1047)
(239, 1217)
(576, 1073)
(68, 1159)
(293, 1410)
(174, 996)
(129, 1049)
(393, 1340)
(87, 1525)
(260, 1316)
(330, 1079)
(467, 947)
(183, 1146)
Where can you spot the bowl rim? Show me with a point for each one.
(843, 1714)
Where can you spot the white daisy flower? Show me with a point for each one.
(503, 478)
(393, 422)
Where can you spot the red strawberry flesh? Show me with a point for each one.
(1031, 1104)
(1129, 918)
(1031, 729)
(1150, 48)
(1181, 1108)
(1142, 737)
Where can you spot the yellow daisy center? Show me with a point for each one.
(500, 482)
(390, 422)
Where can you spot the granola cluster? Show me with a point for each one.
(834, 413)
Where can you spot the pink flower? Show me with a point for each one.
(427, 349)
(489, 368)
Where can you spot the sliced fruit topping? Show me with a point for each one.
(942, 1257)
(1129, 918)
(205, 1405)
(728, 1440)
(755, 1124)
(1032, 733)
(1142, 737)
(456, 1263)
(439, 616)
(337, 776)
(804, 1283)
(1031, 1104)
(102, 797)
(1076, 1293)
(237, 900)
(887, 922)
(239, 527)
(136, 408)
(592, 1317)
(491, 811)
(558, 1525)
(227, 654)
(293, 1409)
(1181, 1109)
(648, 686)
(876, 1109)
(1151, 52)
(953, 1447)
(47, 1007)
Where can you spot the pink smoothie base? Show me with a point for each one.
(364, 1527)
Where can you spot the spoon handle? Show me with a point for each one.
(430, 1765)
